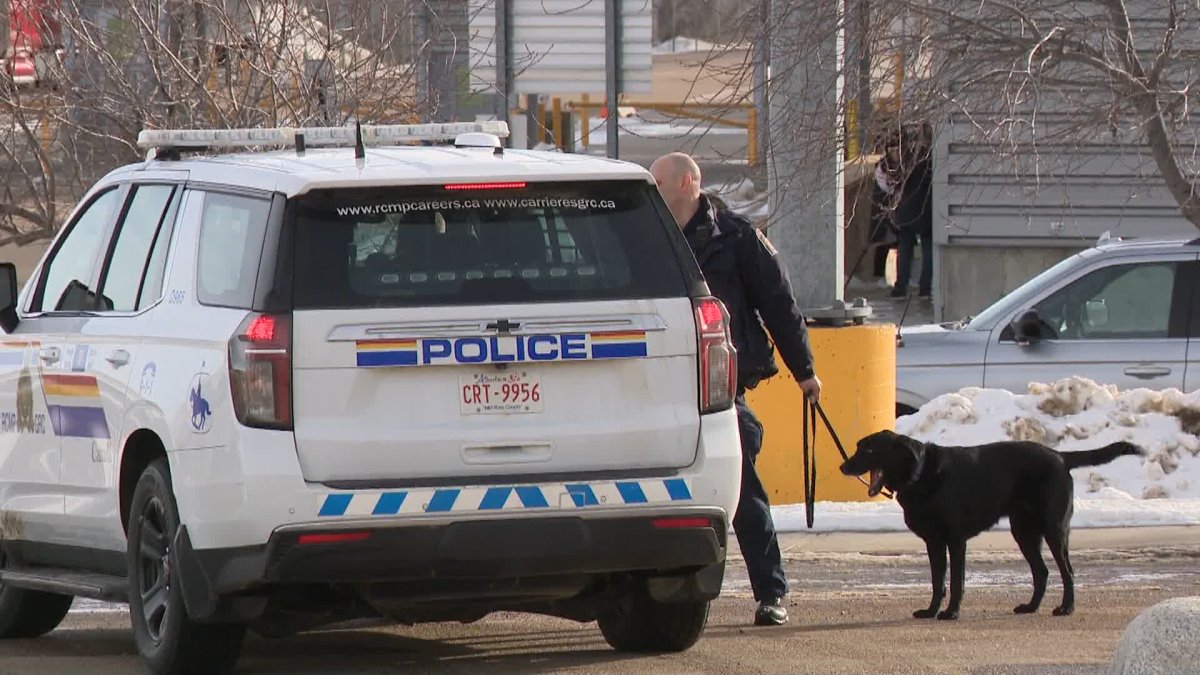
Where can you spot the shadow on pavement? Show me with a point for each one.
(380, 651)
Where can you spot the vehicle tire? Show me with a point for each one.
(167, 640)
(637, 623)
(29, 614)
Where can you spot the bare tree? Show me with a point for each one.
(1062, 73)
(127, 65)
(1032, 84)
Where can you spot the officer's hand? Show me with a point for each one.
(812, 388)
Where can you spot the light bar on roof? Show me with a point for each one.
(384, 134)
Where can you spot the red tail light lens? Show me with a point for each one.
(680, 523)
(712, 317)
(333, 538)
(261, 329)
(260, 371)
(484, 186)
(718, 358)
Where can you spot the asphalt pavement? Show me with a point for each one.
(851, 602)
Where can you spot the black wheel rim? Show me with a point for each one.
(154, 568)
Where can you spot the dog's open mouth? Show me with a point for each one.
(876, 483)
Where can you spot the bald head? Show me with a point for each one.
(678, 179)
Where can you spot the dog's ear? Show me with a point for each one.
(909, 446)
(877, 440)
(866, 442)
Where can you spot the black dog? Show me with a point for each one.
(952, 494)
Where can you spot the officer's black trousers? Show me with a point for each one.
(752, 523)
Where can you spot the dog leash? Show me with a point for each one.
(812, 411)
(810, 460)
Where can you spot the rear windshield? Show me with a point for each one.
(427, 245)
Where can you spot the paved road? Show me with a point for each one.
(850, 608)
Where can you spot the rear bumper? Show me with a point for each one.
(655, 543)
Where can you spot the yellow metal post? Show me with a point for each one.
(852, 148)
(752, 137)
(44, 130)
(541, 122)
(898, 77)
(586, 128)
(857, 365)
(556, 120)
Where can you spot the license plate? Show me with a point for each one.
(504, 392)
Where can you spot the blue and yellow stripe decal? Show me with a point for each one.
(629, 344)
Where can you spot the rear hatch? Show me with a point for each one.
(478, 332)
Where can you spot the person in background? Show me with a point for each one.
(883, 234)
(914, 215)
(744, 271)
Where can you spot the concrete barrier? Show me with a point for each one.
(1162, 640)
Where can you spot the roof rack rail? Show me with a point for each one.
(164, 143)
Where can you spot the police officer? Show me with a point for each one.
(743, 270)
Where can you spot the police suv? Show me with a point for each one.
(396, 372)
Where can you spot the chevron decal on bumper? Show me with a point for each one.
(558, 496)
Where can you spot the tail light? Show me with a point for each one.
(333, 538)
(718, 359)
(680, 523)
(260, 371)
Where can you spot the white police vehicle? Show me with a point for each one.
(280, 389)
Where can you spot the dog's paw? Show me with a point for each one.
(924, 613)
(1064, 610)
(947, 615)
(1027, 608)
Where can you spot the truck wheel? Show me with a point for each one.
(29, 614)
(167, 640)
(637, 623)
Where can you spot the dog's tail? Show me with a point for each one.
(1104, 455)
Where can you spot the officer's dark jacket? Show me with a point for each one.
(743, 270)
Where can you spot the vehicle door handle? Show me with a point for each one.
(118, 358)
(1147, 372)
(49, 354)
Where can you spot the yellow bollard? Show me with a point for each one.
(852, 148)
(857, 365)
(752, 137)
(586, 128)
(541, 123)
(556, 122)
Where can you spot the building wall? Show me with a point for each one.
(973, 277)
(1002, 215)
(718, 21)
(1019, 181)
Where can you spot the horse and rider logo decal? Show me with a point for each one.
(201, 411)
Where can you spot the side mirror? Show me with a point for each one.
(1027, 329)
(8, 297)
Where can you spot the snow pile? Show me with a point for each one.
(743, 198)
(682, 45)
(1160, 488)
(670, 129)
(1078, 414)
(926, 328)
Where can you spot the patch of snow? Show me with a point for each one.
(637, 126)
(925, 328)
(682, 45)
(743, 198)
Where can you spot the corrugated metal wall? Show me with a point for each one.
(1019, 186)
(558, 46)
(1068, 181)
